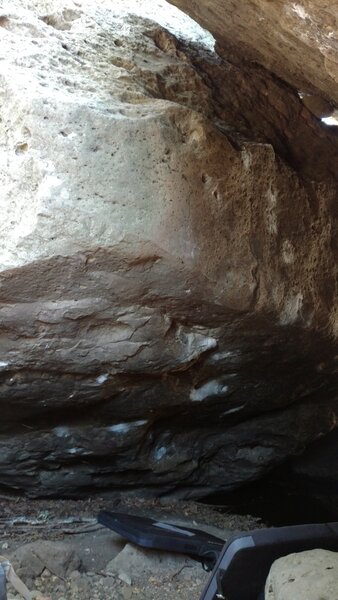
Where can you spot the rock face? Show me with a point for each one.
(295, 40)
(168, 266)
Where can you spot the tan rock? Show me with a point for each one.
(134, 562)
(164, 276)
(295, 40)
(309, 575)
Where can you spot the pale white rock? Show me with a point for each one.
(231, 411)
(125, 427)
(292, 308)
(308, 575)
(210, 388)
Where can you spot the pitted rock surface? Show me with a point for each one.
(295, 40)
(168, 272)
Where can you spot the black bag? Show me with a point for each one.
(150, 533)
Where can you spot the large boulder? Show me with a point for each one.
(168, 301)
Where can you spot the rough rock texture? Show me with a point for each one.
(309, 575)
(133, 561)
(295, 40)
(58, 557)
(168, 281)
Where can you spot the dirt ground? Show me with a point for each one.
(59, 550)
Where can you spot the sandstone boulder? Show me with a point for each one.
(295, 40)
(168, 301)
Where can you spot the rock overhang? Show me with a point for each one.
(297, 41)
(157, 267)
